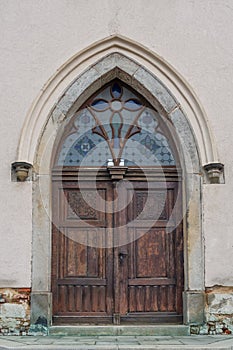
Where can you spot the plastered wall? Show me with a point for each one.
(195, 37)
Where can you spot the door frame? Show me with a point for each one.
(194, 304)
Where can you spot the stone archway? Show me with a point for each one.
(119, 265)
(161, 98)
(171, 96)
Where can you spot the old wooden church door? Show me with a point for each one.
(117, 234)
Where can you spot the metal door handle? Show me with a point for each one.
(122, 256)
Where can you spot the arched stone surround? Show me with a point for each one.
(146, 73)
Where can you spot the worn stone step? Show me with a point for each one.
(165, 330)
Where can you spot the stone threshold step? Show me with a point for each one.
(80, 330)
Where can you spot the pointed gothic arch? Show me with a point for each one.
(166, 91)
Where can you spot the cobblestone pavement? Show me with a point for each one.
(219, 342)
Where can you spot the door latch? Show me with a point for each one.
(122, 257)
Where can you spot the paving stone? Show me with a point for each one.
(118, 343)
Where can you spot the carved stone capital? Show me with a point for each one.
(214, 172)
(21, 170)
(117, 172)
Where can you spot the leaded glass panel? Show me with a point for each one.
(116, 124)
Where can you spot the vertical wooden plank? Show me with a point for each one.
(94, 299)
(62, 300)
(71, 257)
(171, 298)
(148, 299)
(70, 299)
(163, 298)
(109, 288)
(101, 262)
(92, 261)
(102, 298)
(132, 299)
(78, 299)
(171, 255)
(124, 298)
(140, 298)
(61, 253)
(81, 256)
(131, 256)
(86, 298)
(154, 298)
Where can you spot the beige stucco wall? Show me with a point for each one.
(37, 37)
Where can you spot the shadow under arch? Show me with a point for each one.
(140, 78)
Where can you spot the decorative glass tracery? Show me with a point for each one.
(116, 124)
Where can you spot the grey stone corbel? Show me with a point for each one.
(214, 172)
(21, 170)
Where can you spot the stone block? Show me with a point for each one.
(194, 306)
(41, 308)
(74, 92)
(156, 88)
(221, 304)
(107, 64)
(12, 311)
(129, 331)
(187, 141)
(126, 65)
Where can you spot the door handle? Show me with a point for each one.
(122, 257)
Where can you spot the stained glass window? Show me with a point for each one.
(116, 124)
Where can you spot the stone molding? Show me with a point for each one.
(53, 90)
(214, 172)
(157, 90)
(20, 171)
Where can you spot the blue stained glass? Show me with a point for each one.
(145, 146)
(116, 114)
(85, 119)
(133, 104)
(100, 104)
(116, 90)
(98, 131)
(116, 143)
(116, 124)
(84, 145)
(124, 130)
(149, 143)
(147, 119)
(135, 130)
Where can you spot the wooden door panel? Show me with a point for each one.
(76, 209)
(152, 298)
(141, 279)
(78, 300)
(150, 271)
(82, 268)
(151, 255)
(81, 260)
(151, 278)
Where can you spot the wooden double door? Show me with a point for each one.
(117, 252)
